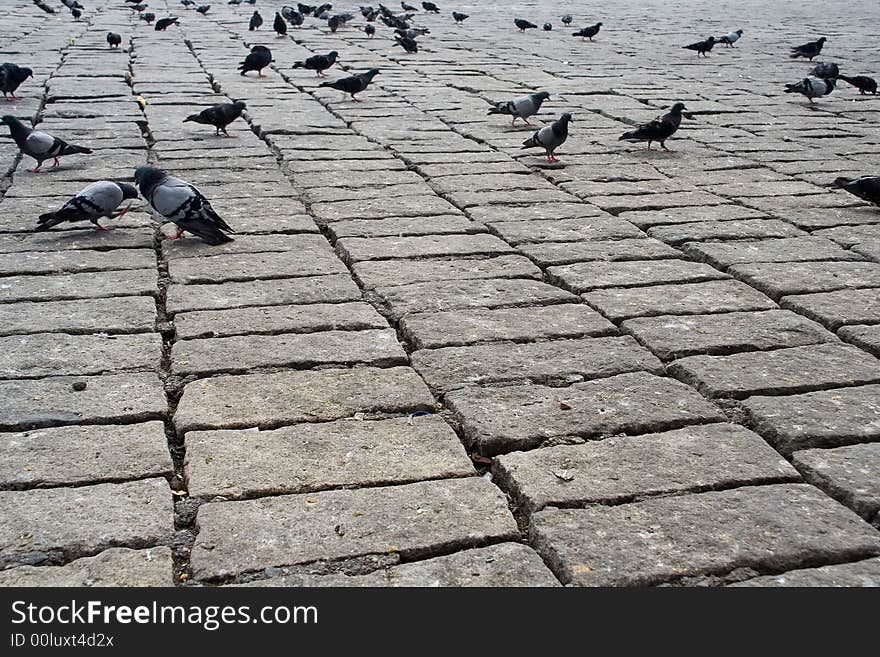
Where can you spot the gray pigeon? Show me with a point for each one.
(39, 145)
(550, 137)
(730, 38)
(812, 87)
(865, 187)
(825, 71)
(219, 115)
(11, 77)
(181, 203)
(522, 107)
(100, 199)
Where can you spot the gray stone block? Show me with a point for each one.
(851, 475)
(858, 574)
(113, 567)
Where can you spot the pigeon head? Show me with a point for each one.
(821, 40)
(239, 104)
(565, 118)
(373, 72)
(677, 108)
(128, 191)
(842, 182)
(148, 177)
(598, 24)
(740, 32)
(711, 39)
(22, 73)
(543, 95)
(332, 55)
(10, 120)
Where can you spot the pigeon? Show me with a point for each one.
(522, 24)
(730, 38)
(114, 39)
(808, 50)
(369, 30)
(334, 23)
(322, 8)
(149, 17)
(279, 25)
(164, 23)
(139, 7)
(188, 3)
(42, 5)
(547, 27)
(550, 137)
(354, 84)
(77, 14)
(219, 115)
(183, 204)
(660, 129)
(566, 20)
(11, 77)
(100, 199)
(39, 145)
(458, 17)
(318, 63)
(520, 108)
(825, 71)
(293, 17)
(702, 47)
(203, 9)
(428, 6)
(866, 188)
(588, 32)
(407, 7)
(861, 82)
(305, 10)
(258, 58)
(407, 43)
(255, 22)
(812, 87)
(234, 2)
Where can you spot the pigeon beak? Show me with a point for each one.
(688, 116)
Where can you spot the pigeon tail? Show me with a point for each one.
(70, 149)
(49, 219)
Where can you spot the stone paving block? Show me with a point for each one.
(557, 361)
(51, 354)
(565, 230)
(849, 236)
(240, 353)
(54, 401)
(864, 337)
(314, 246)
(783, 371)
(438, 296)
(455, 328)
(67, 240)
(383, 273)
(92, 285)
(858, 574)
(765, 528)
(506, 564)
(113, 567)
(412, 521)
(613, 470)
(835, 309)
(43, 526)
(641, 202)
(736, 229)
(677, 336)
(870, 250)
(84, 454)
(304, 290)
(584, 276)
(308, 318)
(271, 400)
(255, 266)
(708, 215)
(48, 262)
(680, 299)
(310, 457)
(851, 475)
(574, 209)
(405, 226)
(402, 206)
(504, 419)
(355, 249)
(789, 249)
(779, 279)
(115, 315)
(562, 253)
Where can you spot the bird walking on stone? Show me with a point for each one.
(863, 83)
(702, 47)
(279, 25)
(730, 38)
(164, 23)
(148, 18)
(660, 129)
(588, 32)
(39, 145)
(11, 77)
(183, 204)
(369, 30)
(550, 137)
(523, 25)
(258, 58)
(114, 39)
(520, 108)
(825, 70)
(459, 18)
(354, 84)
(203, 9)
(812, 87)
(866, 188)
(318, 63)
(430, 7)
(219, 115)
(407, 43)
(566, 20)
(255, 22)
(808, 50)
(100, 199)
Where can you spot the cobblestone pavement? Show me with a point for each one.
(429, 357)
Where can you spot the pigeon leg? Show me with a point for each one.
(663, 145)
(56, 163)
(512, 121)
(36, 169)
(119, 214)
(225, 133)
(100, 227)
(649, 146)
(355, 99)
(175, 237)
(527, 122)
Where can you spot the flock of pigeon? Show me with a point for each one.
(184, 205)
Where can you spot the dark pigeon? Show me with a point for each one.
(100, 199)
(523, 25)
(730, 38)
(812, 87)
(114, 39)
(183, 204)
(40, 145)
(42, 5)
(588, 32)
(550, 137)
(407, 43)
(458, 17)
(808, 50)
(255, 22)
(660, 129)
(163, 23)
(702, 47)
(407, 7)
(318, 63)
(354, 84)
(861, 82)
(520, 108)
(866, 188)
(279, 25)
(369, 30)
(203, 9)
(149, 17)
(219, 115)
(547, 27)
(429, 6)
(306, 10)
(77, 13)
(258, 59)
(11, 77)
(566, 20)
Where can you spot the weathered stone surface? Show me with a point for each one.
(45, 525)
(677, 336)
(404, 206)
(454, 328)
(277, 319)
(116, 315)
(311, 289)
(613, 470)
(440, 296)
(834, 309)
(865, 337)
(412, 521)
(708, 215)
(725, 230)
(561, 253)
(791, 249)
(535, 212)
(256, 266)
(506, 564)
(309, 457)
(49, 262)
(565, 230)
(83, 454)
(403, 226)
(860, 573)
(34, 403)
(113, 567)
(384, 273)
(765, 528)
(682, 299)
(58, 240)
(851, 475)
(355, 249)
(776, 280)
(584, 276)
(557, 361)
(49, 354)
(624, 203)
(271, 400)
(504, 419)
(79, 286)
